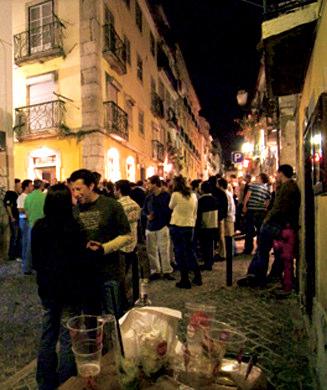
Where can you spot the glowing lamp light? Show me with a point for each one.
(316, 139)
(150, 171)
(247, 147)
(316, 157)
(242, 97)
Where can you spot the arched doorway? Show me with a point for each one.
(130, 169)
(113, 168)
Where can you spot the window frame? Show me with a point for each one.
(141, 122)
(152, 44)
(139, 68)
(127, 44)
(138, 16)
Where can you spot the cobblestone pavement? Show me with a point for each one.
(274, 328)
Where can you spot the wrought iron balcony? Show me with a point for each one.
(115, 121)
(158, 151)
(157, 106)
(274, 8)
(40, 43)
(114, 50)
(39, 120)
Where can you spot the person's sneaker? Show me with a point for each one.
(168, 277)
(279, 293)
(217, 258)
(154, 276)
(197, 281)
(248, 281)
(186, 285)
(18, 259)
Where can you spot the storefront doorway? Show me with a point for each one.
(44, 164)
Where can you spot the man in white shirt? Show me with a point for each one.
(27, 188)
(230, 218)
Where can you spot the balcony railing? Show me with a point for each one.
(157, 106)
(39, 43)
(115, 120)
(158, 151)
(114, 50)
(37, 120)
(275, 8)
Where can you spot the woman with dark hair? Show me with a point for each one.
(183, 203)
(57, 255)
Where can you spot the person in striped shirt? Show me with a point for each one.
(255, 206)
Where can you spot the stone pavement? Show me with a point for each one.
(274, 328)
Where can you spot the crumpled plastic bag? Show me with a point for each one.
(149, 336)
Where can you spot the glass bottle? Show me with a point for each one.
(144, 296)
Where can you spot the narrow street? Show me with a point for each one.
(274, 328)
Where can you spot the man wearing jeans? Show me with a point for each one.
(156, 209)
(285, 211)
(27, 187)
(107, 230)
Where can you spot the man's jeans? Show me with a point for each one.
(253, 222)
(14, 244)
(27, 262)
(24, 229)
(158, 242)
(260, 261)
(50, 372)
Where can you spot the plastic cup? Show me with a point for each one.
(88, 357)
(91, 335)
(224, 345)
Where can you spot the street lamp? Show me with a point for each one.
(242, 97)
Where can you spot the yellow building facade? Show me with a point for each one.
(97, 86)
(301, 81)
(312, 124)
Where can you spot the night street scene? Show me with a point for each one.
(163, 181)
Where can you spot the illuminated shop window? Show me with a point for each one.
(130, 169)
(113, 168)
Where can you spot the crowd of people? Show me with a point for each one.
(81, 238)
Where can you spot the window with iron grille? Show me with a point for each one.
(141, 123)
(152, 45)
(127, 49)
(139, 68)
(138, 16)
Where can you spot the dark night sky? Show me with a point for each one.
(218, 39)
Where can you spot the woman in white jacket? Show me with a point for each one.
(183, 204)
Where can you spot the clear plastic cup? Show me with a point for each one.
(90, 336)
(88, 357)
(224, 346)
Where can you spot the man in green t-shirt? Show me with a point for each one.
(33, 206)
(107, 230)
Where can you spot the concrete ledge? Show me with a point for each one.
(289, 21)
(19, 376)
